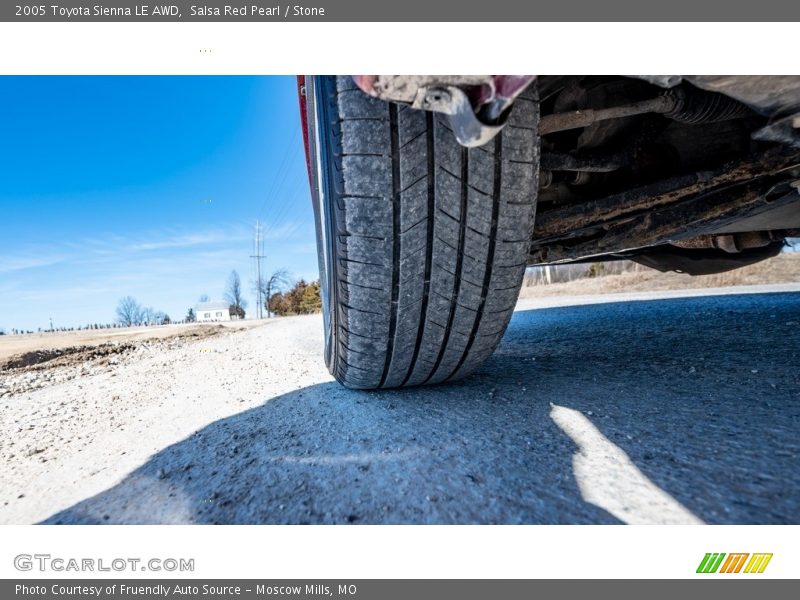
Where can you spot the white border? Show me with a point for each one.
(420, 551)
(400, 48)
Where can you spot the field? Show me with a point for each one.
(784, 268)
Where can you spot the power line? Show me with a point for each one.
(282, 169)
(286, 207)
(277, 192)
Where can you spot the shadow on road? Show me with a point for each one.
(680, 410)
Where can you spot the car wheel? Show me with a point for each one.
(423, 243)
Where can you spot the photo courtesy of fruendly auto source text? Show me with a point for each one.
(275, 322)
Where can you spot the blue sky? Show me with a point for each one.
(144, 186)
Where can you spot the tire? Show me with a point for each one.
(423, 243)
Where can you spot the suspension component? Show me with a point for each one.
(469, 130)
(684, 104)
(583, 118)
(477, 107)
(694, 106)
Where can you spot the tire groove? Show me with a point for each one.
(405, 189)
(413, 139)
(426, 285)
(366, 287)
(459, 261)
(422, 220)
(487, 274)
(396, 238)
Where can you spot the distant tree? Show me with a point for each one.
(279, 304)
(272, 284)
(296, 295)
(2, 331)
(233, 295)
(311, 301)
(148, 314)
(303, 298)
(129, 312)
(203, 298)
(190, 316)
(596, 270)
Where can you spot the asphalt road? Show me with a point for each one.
(675, 410)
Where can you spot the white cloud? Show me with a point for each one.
(21, 263)
(188, 240)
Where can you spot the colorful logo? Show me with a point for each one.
(713, 562)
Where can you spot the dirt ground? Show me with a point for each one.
(30, 362)
(784, 268)
(11, 345)
(681, 410)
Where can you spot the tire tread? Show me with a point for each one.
(431, 239)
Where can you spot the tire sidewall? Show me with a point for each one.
(318, 90)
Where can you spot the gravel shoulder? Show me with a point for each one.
(78, 429)
(645, 408)
(15, 345)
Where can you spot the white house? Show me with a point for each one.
(206, 312)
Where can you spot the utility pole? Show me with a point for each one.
(259, 254)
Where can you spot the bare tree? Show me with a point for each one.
(273, 284)
(233, 295)
(148, 315)
(129, 312)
